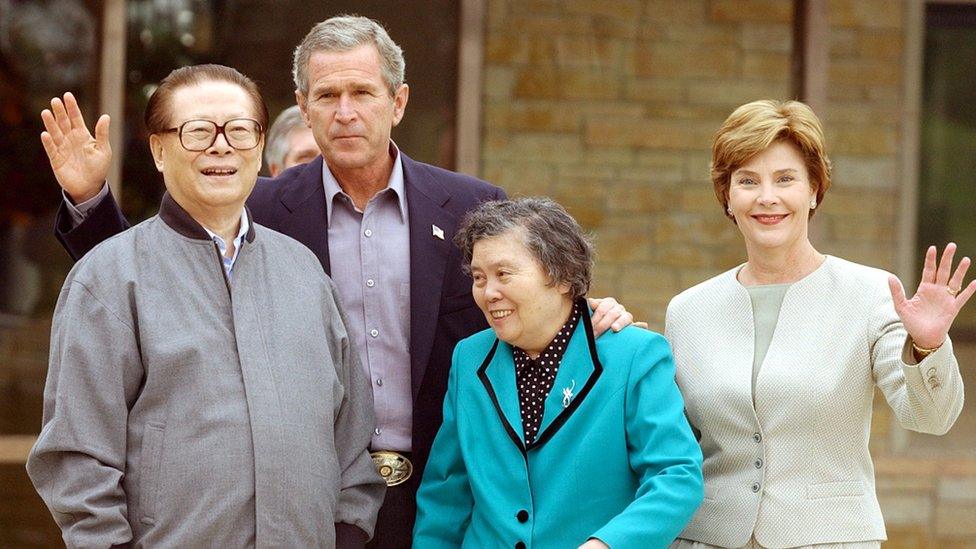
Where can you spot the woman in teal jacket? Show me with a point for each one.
(552, 438)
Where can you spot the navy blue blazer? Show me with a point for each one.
(442, 309)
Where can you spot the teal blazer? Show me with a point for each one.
(614, 458)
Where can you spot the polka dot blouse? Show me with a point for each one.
(534, 378)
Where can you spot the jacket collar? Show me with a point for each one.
(180, 221)
(578, 372)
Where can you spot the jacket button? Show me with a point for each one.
(757, 437)
(522, 515)
(520, 545)
(758, 464)
(756, 487)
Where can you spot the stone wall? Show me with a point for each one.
(609, 107)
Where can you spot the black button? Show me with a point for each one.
(758, 464)
(757, 437)
(756, 487)
(520, 545)
(522, 515)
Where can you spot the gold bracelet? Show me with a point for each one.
(922, 352)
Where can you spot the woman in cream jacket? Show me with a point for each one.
(778, 358)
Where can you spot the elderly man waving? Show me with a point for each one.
(202, 387)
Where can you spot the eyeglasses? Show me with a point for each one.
(242, 134)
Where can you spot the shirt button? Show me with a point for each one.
(755, 487)
(369, 282)
(522, 515)
(377, 431)
(374, 332)
(758, 464)
(368, 233)
(757, 437)
(379, 381)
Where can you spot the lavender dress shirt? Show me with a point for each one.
(369, 252)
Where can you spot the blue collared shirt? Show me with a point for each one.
(222, 244)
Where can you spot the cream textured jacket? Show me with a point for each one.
(794, 468)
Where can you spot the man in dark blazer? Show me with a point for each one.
(350, 89)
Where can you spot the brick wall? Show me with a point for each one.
(609, 107)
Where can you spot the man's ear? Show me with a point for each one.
(156, 148)
(400, 102)
(303, 107)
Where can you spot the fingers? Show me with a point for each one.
(965, 295)
(642, 325)
(928, 270)
(602, 318)
(74, 112)
(897, 291)
(955, 282)
(945, 264)
(49, 147)
(60, 116)
(102, 131)
(51, 125)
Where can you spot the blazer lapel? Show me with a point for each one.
(497, 375)
(307, 220)
(431, 228)
(578, 372)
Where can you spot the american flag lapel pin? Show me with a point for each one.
(438, 232)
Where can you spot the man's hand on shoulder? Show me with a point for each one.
(608, 314)
(80, 162)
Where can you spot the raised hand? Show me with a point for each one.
(80, 161)
(928, 315)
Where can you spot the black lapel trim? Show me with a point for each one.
(180, 221)
(597, 371)
(176, 217)
(250, 227)
(483, 376)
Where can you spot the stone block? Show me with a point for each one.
(779, 11)
(534, 116)
(667, 60)
(588, 51)
(624, 241)
(659, 176)
(863, 71)
(905, 509)
(537, 83)
(647, 133)
(618, 9)
(881, 44)
(960, 490)
(733, 93)
(763, 65)
(549, 148)
(872, 171)
(954, 520)
(698, 32)
(499, 82)
(863, 140)
(668, 12)
(865, 13)
(654, 89)
(766, 37)
(505, 48)
(589, 84)
(632, 198)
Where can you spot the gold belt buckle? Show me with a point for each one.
(393, 467)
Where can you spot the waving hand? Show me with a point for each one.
(80, 161)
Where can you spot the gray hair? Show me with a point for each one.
(276, 147)
(548, 231)
(344, 33)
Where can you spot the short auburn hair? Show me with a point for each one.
(753, 127)
(158, 115)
